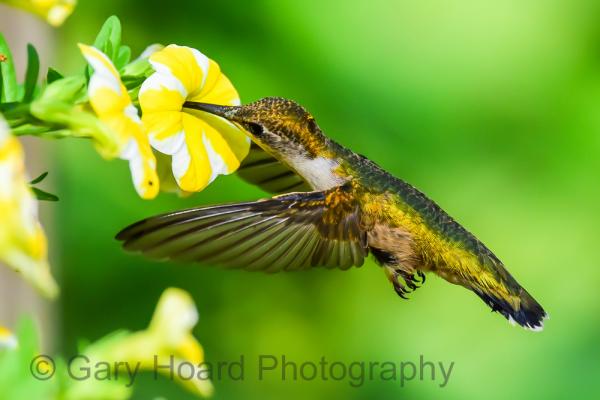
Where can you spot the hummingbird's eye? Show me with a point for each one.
(255, 129)
(312, 125)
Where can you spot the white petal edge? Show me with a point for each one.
(163, 77)
(171, 145)
(132, 113)
(6, 180)
(202, 62)
(217, 164)
(4, 131)
(181, 312)
(102, 81)
(180, 162)
(148, 51)
(132, 153)
(100, 64)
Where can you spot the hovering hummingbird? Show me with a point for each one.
(337, 207)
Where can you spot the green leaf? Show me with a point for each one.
(15, 113)
(80, 123)
(68, 90)
(123, 57)
(53, 75)
(140, 67)
(10, 88)
(43, 196)
(39, 178)
(115, 38)
(109, 38)
(109, 50)
(132, 82)
(33, 70)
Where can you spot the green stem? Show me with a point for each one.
(61, 134)
(29, 129)
(14, 110)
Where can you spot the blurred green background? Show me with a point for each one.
(491, 108)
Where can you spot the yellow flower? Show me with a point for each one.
(110, 101)
(7, 339)
(166, 345)
(23, 244)
(55, 12)
(202, 146)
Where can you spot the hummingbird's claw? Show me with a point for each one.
(398, 287)
(400, 291)
(409, 282)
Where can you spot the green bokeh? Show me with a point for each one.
(491, 108)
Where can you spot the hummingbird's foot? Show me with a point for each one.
(400, 289)
(411, 281)
(410, 284)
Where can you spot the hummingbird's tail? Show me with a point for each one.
(520, 308)
(484, 274)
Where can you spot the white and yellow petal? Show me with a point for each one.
(185, 64)
(162, 92)
(137, 151)
(7, 339)
(110, 101)
(202, 146)
(175, 316)
(23, 245)
(167, 340)
(168, 183)
(199, 152)
(217, 89)
(106, 92)
(236, 140)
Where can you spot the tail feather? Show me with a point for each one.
(479, 270)
(528, 313)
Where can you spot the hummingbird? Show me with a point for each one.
(330, 208)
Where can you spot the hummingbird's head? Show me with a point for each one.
(278, 125)
(288, 132)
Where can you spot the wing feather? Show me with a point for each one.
(290, 232)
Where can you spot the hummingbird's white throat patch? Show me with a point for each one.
(319, 172)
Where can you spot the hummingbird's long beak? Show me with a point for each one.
(227, 112)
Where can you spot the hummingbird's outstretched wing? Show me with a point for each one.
(262, 169)
(288, 232)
